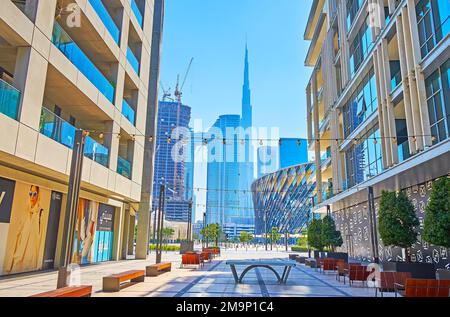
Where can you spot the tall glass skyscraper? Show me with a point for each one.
(170, 172)
(230, 168)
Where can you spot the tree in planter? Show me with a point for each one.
(436, 228)
(330, 237)
(397, 221)
(314, 233)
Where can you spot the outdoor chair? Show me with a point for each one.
(387, 280)
(442, 274)
(357, 273)
(328, 265)
(424, 288)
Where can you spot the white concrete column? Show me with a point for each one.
(415, 110)
(29, 77)
(381, 112)
(389, 103)
(316, 136)
(406, 92)
(112, 142)
(419, 77)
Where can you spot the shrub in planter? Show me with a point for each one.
(315, 234)
(331, 237)
(437, 214)
(397, 221)
(299, 249)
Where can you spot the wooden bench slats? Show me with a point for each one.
(112, 282)
(157, 269)
(70, 291)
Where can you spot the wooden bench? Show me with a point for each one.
(70, 291)
(112, 283)
(157, 269)
(423, 288)
(191, 258)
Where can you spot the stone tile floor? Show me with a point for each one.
(212, 280)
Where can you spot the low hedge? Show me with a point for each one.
(166, 247)
(299, 249)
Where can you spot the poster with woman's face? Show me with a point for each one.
(27, 229)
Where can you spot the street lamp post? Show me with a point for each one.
(265, 227)
(162, 194)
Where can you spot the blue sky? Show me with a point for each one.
(214, 32)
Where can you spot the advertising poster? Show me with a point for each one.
(52, 230)
(27, 229)
(104, 236)
(85, 231)
(6, 201)
(94, 232)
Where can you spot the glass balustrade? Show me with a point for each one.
(63, 132)
(73, 52)
(133, 60)
(137, 13)
(123, 167)
(9, 99)
(106, 18)
(128, 112)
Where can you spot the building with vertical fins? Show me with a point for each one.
(378, 105)
(230, 168)
(67, 66)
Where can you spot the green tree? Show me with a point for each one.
(274, 236)
(436, 228)
(331, 237)
(397, 221)
(167, 233)
(212, 232)
(315, 234)
(245, 238)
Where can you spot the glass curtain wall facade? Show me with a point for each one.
(283, 199)
(169, 170)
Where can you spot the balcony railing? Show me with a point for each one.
(128, 112)
(133, 60)
(396, 80)
(137, 13)
(123, 167)
(106, 18)
(73, 52)
(63, 132)
(9, 99)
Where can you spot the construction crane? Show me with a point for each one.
(179, 90)
(166, 93)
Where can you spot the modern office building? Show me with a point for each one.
(230, 168)
(293, 152)
(378, 112)
(283, 199)
(222, 197)
(268, 160)
(67, 66)
(170, 166)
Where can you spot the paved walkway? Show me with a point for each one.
(213, 280)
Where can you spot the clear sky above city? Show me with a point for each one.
(214, 33)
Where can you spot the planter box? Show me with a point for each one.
(293, 256)
(417, 270)
(338, 256)
(320, 254)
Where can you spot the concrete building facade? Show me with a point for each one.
(68, 65)
(378, 111)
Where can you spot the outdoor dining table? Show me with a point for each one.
(268, 264)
